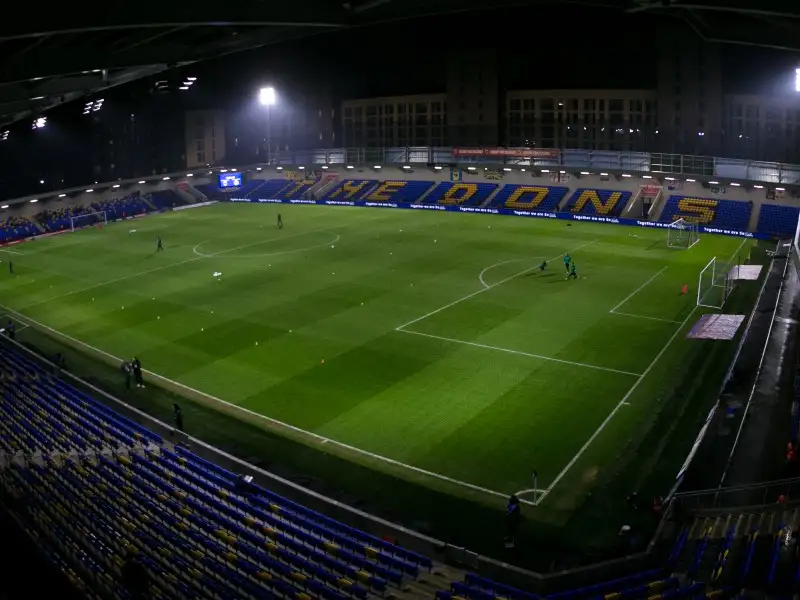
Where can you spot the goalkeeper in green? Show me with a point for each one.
(573, 273)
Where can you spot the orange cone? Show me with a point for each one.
(684, 289)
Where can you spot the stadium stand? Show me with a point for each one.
(164, 199)
(606, 203)
(404, 192)
(199, 534)
(778, 220)
(115, 208)
(351, 189)
(17, 228)
(710, 212)
(457, 192)
(529, 197)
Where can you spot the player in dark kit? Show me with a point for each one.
(543, 266)
(160, 246)
(280, 221)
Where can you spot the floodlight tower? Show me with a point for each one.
(268, 98)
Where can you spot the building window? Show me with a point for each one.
(529, 104)
(348, 112)
(201, 157)
(514, 104)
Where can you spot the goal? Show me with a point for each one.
(682, 235)
(714, 285)
(87, 220)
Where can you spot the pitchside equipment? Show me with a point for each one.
(715, 284)
(87, 220)
(682, 235)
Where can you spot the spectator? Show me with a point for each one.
(513, 518)
(137, 372)
(127, 371)
(135, 577)
(177, 416)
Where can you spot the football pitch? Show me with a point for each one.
(423, 344)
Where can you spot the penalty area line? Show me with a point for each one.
(12, 252)
(485, 289)
(521, 353)
(614, 411)
(280, 424)
(624, 401)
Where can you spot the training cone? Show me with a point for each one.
(684, 289)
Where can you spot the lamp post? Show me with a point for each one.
(267, 97)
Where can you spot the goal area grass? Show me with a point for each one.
(418, 364)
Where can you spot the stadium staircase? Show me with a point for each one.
(491, 197)
(326, 183)
(38, 225)
(148, 201)
(184, 190)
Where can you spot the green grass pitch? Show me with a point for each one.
(430, 340)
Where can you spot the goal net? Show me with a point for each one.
(715, 284)
(682, 235)
(87, 220)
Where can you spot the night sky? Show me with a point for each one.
(551, 47)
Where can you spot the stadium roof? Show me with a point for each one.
(48, 58)
(765, 23)
(51, 57)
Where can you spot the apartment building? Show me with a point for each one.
(205, 137)
(414, 120)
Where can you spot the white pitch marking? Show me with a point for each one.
(490, 267)
(148, 271)
(12, 252)
(637, 290)
(311, 434)
(480, 291)
(624, 314)
(614, 411)
(521, 353)
(624, 400)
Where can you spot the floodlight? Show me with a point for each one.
(4, 206)
(32, 200)
(266, 96)
(141, 182)
(115, 186)
(4, 135)
(40, 123)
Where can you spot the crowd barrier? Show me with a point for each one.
(504, 211)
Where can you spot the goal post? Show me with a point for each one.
(714, 284)
(682, 234)
(87, 220)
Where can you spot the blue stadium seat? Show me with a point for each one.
(605, 203)
(460, 193)
(197, 535)
(529, 197)
(351, 189)
(399, 191)
(778, 220)
(709, 212)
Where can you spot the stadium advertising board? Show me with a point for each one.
(504, 211)
(507, 152)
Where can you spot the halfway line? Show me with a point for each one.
(521, 353)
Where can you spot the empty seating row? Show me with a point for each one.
(778, 220)
(710, 212)
(529, 197)
(605, 203)
(197, 531)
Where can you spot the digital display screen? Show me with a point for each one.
(228, 180)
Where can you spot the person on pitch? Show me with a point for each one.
(567, 260)
(573, 273)
(280, 221)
